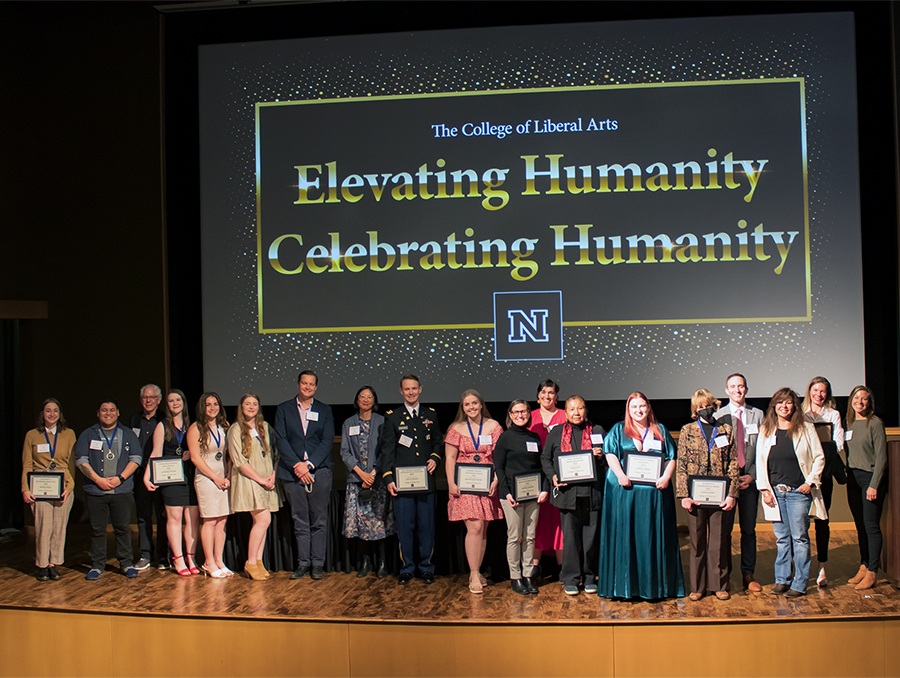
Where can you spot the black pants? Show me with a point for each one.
(103, 510)
(581, 529)
(823, 530)
(867, 516)
(747, 506)
(148, 505)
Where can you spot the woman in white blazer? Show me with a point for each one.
(789, 464)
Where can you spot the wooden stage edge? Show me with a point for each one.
(164, 625)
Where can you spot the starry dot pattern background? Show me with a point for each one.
(606, 362)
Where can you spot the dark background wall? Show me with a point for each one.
(84, 211)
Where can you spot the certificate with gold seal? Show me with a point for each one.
(46, 485)
(411, 478)
(166, 470)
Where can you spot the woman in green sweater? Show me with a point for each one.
(866, 447)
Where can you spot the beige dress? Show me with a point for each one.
(213, 502)
(246, 494)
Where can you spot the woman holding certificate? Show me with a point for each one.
(179, 498)
(523, 488)
(573, 460)
(789, 463)
(367, 512)
(707, 482)
(546, 417)
(48, 450)
(821, 410)
(639, 555)
(253, 486)
(867, 481)
(206, 441)
(469, 443)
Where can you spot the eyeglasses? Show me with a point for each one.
(519, 413)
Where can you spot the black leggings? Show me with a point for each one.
(823, 530)
(867, 516)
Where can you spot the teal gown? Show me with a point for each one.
(639, 552)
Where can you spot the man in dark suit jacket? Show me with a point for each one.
(304, 429)
(411, 437)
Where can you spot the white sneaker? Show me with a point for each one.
(821, 580)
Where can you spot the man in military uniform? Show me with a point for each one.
(411, 437)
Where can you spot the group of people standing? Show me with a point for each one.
(562, 483)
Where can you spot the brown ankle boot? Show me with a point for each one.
(868, 581)
(858, 577)
(254, 571)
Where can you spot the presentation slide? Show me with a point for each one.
(625, 206)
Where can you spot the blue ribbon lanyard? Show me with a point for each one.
(109, 443)
(710, 443)
(53, 446)
(472, 435)
(213, 432)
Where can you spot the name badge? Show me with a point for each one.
(531, 446)
(752, 429)
(721, 441)
(312, 416)
(596, 438)
(848, 435)
(43, 448)
(354, 430)
(137, 432)
(254, 433)
(485, 440)
(406, 441)
(96, 445)
(654, 444)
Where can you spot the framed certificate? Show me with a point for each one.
(411, 478)
(708, 490)
(166, 471)
(576, 468)
(46, 485)
(527, 486)
(643, 468)
(474, 478)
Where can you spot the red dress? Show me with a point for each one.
(473, 506)
(549, 535)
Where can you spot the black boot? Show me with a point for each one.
(382, 571)
(519, 587)
(365, 566)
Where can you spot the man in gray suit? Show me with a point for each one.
(746, 421)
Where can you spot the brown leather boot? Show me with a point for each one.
(254, 571)
(751, 584)
(858, 577)
(868, 581)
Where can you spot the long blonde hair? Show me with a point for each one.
(258, 422)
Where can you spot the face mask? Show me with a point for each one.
(707, 413)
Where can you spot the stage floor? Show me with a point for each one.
(344, 598)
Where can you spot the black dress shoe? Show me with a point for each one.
(382, 570)
(404, 579)
(317, 572)
(536, 574)
(365, 567)
(53, 572)
(43, 574)
(428, 577)
(300, 572)
(778, 589)
(519, 586)
(529, 586)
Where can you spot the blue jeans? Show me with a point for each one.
(792, 535)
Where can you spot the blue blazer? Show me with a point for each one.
(350, 449)
(293, 444)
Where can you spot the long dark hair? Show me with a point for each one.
(770, 422)
(169, 420)
(203, 422)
